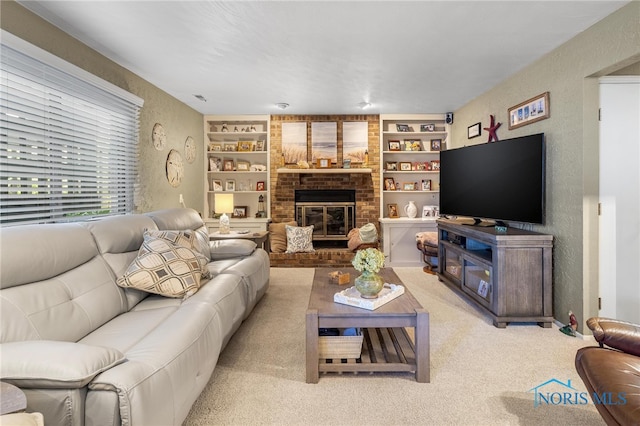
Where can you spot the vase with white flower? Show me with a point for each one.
(369, 262)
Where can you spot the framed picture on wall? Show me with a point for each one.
(529, 111)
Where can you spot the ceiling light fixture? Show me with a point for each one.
(202, 98)
(364, 105)
(282, 105)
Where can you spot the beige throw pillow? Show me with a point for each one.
(164, 268)
(186, 238)
(278, 236)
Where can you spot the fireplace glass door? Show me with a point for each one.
(331, 221)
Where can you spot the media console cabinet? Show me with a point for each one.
(507, 274)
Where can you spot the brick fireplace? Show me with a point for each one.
(285, 185)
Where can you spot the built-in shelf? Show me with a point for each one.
(402, 219)
(323, 171)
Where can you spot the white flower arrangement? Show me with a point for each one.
(370, 260)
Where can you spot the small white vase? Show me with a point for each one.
(411, 210)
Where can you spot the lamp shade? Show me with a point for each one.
(224, 203)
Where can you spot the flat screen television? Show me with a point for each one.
(501, 181)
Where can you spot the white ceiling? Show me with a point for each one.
(324, 57)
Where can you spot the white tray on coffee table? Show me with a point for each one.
(352, 297)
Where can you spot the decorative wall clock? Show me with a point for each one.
(174, 168)
(158, 137)
(189, 150)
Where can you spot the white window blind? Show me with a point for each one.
(68, 140)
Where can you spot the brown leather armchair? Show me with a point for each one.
(612, 375)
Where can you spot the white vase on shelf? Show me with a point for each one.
(411, 210)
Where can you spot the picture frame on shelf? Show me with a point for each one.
(239, 212)
(243, 166)
(245, 146)
(426, 185)
(428, 127)
(403, 128)
(405, 166)
(346, 163)
(394, 145)
(435, 165)
(418, 167)
(215, 146)
(216, 185)
(412, 145)
(229, 165)
(429, 212)
(230, 185)
(409, 186)
(391, 166)
(323, 163)
(260, 186)
(230, 147)
(259, 145)
(529, 111)
(474, 131)
(436, 144)
(392, 210)
(215, 164)
(389, 184)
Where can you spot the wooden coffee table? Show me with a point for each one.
(386, 347)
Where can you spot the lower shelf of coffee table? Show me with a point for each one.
(383, 350)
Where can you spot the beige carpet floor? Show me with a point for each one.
(480, 375)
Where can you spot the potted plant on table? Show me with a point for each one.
(369, 262)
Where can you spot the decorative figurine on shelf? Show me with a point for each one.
(224, 128)
(261, 211)
(570, 329)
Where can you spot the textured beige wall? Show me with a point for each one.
(179, 120)
(570, 74)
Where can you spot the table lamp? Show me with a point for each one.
(224, 205)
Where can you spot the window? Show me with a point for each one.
(68, 140)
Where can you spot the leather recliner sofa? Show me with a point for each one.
(86, 351)
(612, 375)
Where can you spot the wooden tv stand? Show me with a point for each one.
(507, 274)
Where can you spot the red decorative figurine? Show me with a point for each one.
(493, 127)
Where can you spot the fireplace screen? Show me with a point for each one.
(331, 220)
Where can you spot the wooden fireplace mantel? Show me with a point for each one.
(334, 171)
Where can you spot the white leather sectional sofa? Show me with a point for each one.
(88, 352)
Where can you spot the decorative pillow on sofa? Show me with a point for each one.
(164, 268)
(186, 238)
(299, 239)
(278, 236)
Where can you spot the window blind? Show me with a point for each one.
(68, 140)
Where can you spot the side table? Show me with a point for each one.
(259, 237)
